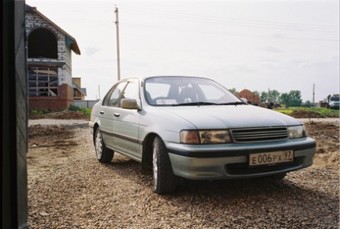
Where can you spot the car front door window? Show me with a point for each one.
(115, 96)
(131, 91)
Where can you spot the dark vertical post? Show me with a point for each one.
(313, 94)
(117, 39)
(14, 117)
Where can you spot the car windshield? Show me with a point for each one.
(177, 91)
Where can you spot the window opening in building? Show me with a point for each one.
(43, 81)
(42, 43)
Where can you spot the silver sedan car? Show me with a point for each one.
(194, 128)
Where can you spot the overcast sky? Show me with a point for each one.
(259, 45)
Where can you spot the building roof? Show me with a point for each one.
(70, 41)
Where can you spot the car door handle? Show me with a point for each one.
(116, 114)
(101, 112)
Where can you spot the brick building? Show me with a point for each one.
(49, 62)
(251, 97)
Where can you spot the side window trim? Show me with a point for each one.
(108, 95)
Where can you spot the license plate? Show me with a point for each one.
(270, 158)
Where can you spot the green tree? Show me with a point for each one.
(295, 98)
(308, 104)
(285, 99)
(273, 96)
(232, 90)
(263, 97)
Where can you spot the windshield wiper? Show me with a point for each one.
(207, 103)
(232, 103)
(195, 104)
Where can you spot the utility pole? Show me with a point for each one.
(99, 92)
(117, 39)
(313, 93)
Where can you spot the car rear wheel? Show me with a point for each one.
(164, 180)
(104, 155)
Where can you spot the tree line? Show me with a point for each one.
(290, 99)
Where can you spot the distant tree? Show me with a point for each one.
(232, 90)
(273, 96)
(264, 97)
(285, 99)
(308, 104)
(295, 98)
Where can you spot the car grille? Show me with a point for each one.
(259, 134)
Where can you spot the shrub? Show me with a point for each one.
(74, 108)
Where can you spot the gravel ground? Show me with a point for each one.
(68, 188)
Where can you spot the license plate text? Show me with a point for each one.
(270, 158)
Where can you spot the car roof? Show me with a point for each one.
(142, 78)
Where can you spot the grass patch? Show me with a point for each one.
(39, 112)
(85, 111)
(313, 112)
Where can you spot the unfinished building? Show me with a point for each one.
(49, 62)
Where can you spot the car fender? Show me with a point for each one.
(162, 125)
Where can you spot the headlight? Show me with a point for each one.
(189, 137)
(205, 136)
(296, 132)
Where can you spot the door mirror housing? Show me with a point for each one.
(131, 104)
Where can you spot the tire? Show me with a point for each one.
(164, 180)
(103, 154)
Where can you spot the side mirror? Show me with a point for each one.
(129, 104)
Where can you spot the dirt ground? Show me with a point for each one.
(60, 115)
(325, 133)
(68, 188)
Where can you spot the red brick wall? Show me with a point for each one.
(53, 103)
(250, 96)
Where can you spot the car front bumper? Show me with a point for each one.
(205, 162)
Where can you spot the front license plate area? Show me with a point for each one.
(270, 158)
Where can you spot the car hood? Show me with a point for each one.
(231, 116)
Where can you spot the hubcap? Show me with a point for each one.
(155, 167)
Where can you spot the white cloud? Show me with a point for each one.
(91, 50)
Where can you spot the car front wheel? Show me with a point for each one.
(164, 181)
(104, 155)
